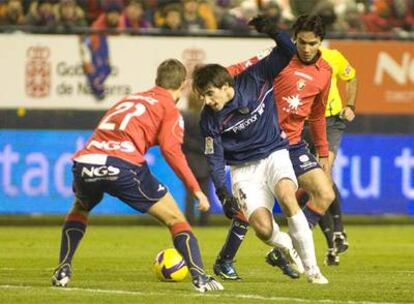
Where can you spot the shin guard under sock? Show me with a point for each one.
(186, 244)
(235, 236)
(72, 232)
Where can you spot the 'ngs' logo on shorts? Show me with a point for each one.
(101, 172)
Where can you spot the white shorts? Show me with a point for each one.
(254, 183)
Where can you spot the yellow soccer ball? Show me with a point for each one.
(170, 266)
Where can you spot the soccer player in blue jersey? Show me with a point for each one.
(301, 92)
(240, 127)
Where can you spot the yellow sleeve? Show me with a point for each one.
(345, 71)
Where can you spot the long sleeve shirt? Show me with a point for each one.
(138, 122)
(301, 92)
(247, 128)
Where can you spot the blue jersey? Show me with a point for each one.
(247, 128)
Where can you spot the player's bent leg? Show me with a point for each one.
(167, 211)
(325, 223)
(302, 238)
(224, 264)
(298, 228)
(268, 231)
(285, 191)
(262, 223)
(340, 237)
(318, 185)
(73, 230)
(320, 188)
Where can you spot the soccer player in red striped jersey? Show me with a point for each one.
(337, 115)
(300, 90)
(113, 162)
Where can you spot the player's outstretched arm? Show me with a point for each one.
(268, 26)
(280, 56)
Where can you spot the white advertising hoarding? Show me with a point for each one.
(54, 63)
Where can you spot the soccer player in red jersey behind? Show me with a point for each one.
(113, 162)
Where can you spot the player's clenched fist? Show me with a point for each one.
(263, 24)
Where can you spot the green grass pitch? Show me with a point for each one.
(114, 265)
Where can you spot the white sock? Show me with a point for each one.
(302, 239)
(279, 238)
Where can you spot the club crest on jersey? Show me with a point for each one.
(209, 145)
(300, 84)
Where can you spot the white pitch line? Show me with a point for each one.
(356, 272)
(218, 294)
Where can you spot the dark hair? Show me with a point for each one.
(309, 23)
(171, 74)
(210, 75)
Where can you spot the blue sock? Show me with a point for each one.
(186, 244)
(72, 233)
(235, 236)
(312, 216)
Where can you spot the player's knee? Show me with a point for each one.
(79, 207)
(264, 233)
(289, 204)
(263, 230)
(286, 195)
(326, 196)
(174, 219)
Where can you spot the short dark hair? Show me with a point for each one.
(309, 23)
(210, 75)
(171, 74)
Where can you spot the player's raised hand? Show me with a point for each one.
(264, 24)
(203, 203)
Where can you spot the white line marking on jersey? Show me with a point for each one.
(303, 75)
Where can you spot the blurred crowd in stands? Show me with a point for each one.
(343, 16)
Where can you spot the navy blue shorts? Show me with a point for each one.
(134, 185)
(302, 159)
